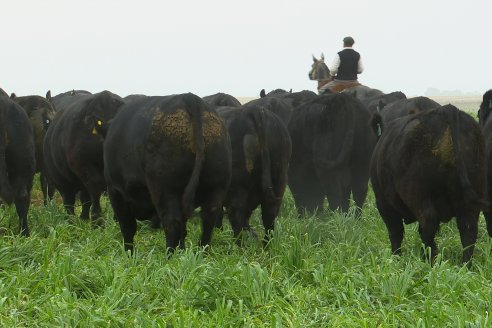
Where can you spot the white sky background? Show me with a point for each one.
(240, 47)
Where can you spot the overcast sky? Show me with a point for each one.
(239, 47)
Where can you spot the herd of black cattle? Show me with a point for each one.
(160, 158)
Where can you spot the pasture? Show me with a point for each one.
(333, 271)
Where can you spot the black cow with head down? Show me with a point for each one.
(73, 149)
(40, 112)
(17, 162)
(485, 121)
(428, 168)
(332, 142)
(261, 150)
(167, 156)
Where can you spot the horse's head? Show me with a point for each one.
(319, 70)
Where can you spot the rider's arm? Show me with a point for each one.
(335, 65)
(360, 66)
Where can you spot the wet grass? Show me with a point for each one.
(332, 271)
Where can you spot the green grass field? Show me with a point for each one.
(333, 271)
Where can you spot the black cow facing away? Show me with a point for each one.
(430, 167)
(17, 162)
(261, 150)
(67, 94)
(221, 99)
(167, 156)
(485, 120)
(3, 93)
(295, 99)
(40, 112)
(73, 149)
(282, 108)
(332, 143)
(406, 106)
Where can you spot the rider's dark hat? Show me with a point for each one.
(348, 40)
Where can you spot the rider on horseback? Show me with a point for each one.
(345, 67)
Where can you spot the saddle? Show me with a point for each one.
(340, 86)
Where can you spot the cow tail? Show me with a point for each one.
(260, 121)
(195, 110)
(6, 191)
(377, 124)
(469, 192)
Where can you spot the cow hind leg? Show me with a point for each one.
(123, 215)
(394, 225)
(237, 210)
(45, 185)
(22, 207)
(428, 228)
(96, 218)
(468, 228)
(173, 223)
(69, 201)
(269, 211)
(359, 193)
(211, 214)
(85, 201)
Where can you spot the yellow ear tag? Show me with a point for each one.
(99, 123)
(94, 131)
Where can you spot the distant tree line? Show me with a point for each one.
(433, 92)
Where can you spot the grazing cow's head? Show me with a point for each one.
(485, 108)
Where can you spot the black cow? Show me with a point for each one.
(408, 106)
(376, 103)
(73, 149)
(283, 109)
(3, 93)
(221, 99)
(17, 162)
(485, 120)
(261, 150)
(362, 92)
(167, 155)
(430, 167)
(40, 112)
(133, 97)
(68, 93)
(293, 98)
(332, 142)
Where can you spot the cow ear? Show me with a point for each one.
(262, 93)
(322, 56)
(48, 95)
(13, 95)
